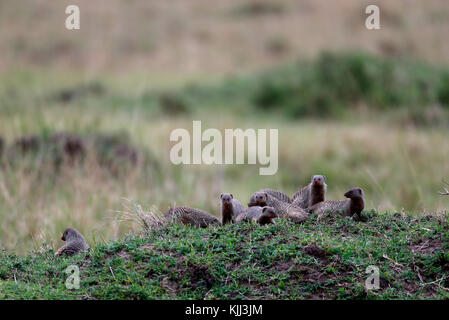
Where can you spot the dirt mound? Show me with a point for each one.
(315, 251)
(200, 276)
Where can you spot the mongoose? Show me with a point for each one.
(75, 243)
(230, 208)
(274, 193)
(261, 215)
(312, 193)
(191, 216)
(282, 208)
(353, 205)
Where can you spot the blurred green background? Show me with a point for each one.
(86, 115)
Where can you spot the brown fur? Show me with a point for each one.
(261, 215)
(191, 216)
(258, 199)
(230, 208)
(350, 207)
(75, 243)
(274, 193)
(282, 209)
(312, 193)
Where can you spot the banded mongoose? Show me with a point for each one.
(274, 193)
(350, 207)
(282, 208)
(75, 243)
(261, 215)
(311, 194)
(230, 208)
(191, 216)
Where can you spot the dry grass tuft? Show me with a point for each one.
(135, 214)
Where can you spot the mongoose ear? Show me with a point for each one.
(266, 194)
(232, 197)
(324, 177)
(221, 196)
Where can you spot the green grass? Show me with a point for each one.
(324, 258)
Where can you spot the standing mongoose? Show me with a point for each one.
(274, 193)
(230, 208)
(261, 215)
(349, 207)
(75, 243)
(191, 216)
(312, 193)
(282, 208)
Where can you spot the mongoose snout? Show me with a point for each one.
(318, 180)
(226, 198)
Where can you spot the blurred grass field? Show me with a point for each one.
(398, 166)
(141, 72)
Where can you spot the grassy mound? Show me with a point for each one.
(325, 258)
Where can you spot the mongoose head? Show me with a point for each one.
(269, 212)
(354, 193)
(258, 199)
(226, 198)
(267, 216)
(318, 180)
(70, 233)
